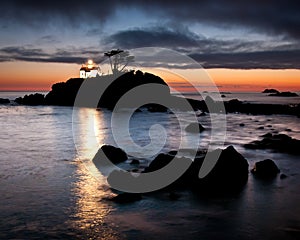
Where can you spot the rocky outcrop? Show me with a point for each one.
(64, 93)
(265, 169)
(32, 99)
(277, 142)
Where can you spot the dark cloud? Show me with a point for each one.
(274, 17)
(251, 60)
(154, 37)
(73, 55)
(211, 53)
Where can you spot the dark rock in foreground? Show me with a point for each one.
(114, 154)
(284, 94)
(194, 128)
(278, 142)
(265, 169)
(270, 90)
(4, 101)
(229, 175)
(126, 197)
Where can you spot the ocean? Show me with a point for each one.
(50, 189)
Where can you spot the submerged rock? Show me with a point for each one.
(126, 197)
(265, 169)
(194, 128)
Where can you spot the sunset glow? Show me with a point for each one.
(27, 76)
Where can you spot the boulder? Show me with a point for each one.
(114, 154)
(229, 175)
(194, 128)
(265, 169)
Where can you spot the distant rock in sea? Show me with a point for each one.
(277, 142)
(284, 94)
(4, 101)
(270, 90)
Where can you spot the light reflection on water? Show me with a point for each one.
(49, 192)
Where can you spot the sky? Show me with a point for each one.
(243, 45)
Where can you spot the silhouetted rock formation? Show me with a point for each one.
(229, 175)
(64, 93)
(4, 101)
(270, 90)
(277, 142)
(114, 154)
(194, 128)
(32, 99)
(265, 169)
(284, 94)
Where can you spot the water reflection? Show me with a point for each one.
(91, 213)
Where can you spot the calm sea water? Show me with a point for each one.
(50, 189)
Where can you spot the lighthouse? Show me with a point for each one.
(89, 69)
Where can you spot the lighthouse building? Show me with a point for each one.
(88, 70)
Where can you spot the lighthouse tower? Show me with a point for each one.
(89, 69)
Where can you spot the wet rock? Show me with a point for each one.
(126, 197)
(194, 128)
(4, 101)
(277, 142)
(223, 96)
(265, 169)
(114, 154)
(283, 176)
(135, 162)
(242, 125)
(229, 175)
(260, 128)
(159, 162)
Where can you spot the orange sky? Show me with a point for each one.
(33, 76)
